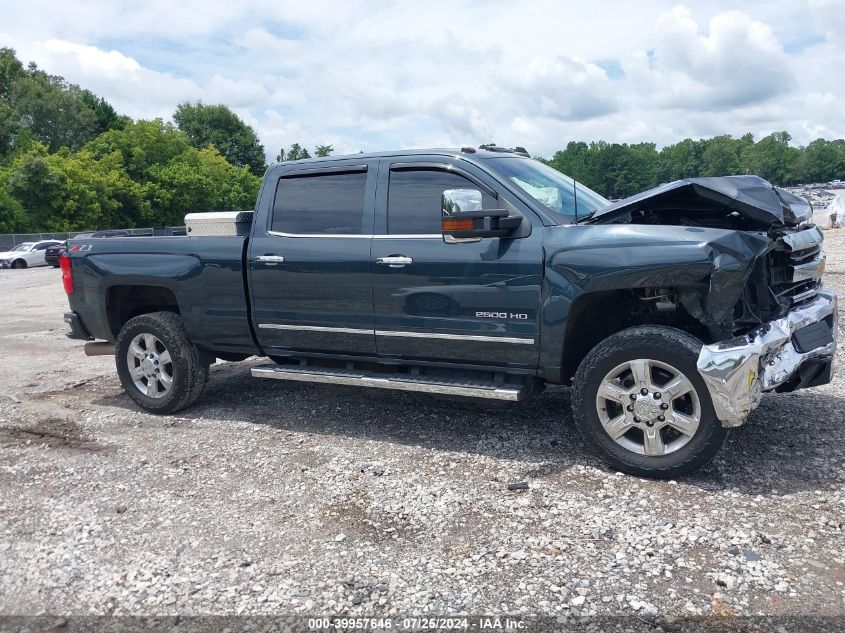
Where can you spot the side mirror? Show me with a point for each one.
(465, 220)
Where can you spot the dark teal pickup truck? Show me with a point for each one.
(480, 273)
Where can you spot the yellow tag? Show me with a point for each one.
(752, 376)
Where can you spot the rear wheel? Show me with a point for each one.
(158, 366)
(639, 400)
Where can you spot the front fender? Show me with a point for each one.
(713, 264)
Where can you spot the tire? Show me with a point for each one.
(685, 428)
(19, 264)
(170, 362)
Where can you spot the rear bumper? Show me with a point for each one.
(77, 330)
(790, 353)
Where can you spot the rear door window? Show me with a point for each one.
(320, 204)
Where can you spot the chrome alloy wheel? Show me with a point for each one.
(150, 366)
(648, 407)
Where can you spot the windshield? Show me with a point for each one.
(23, 247)
(548, 186)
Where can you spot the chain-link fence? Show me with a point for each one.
(9, 240)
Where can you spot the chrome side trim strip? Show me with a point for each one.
(357, 236)
(313, 328)
(367, 236)
(408, 236)
(349, 330)
(458, 337)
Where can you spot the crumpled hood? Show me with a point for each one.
(755, 199)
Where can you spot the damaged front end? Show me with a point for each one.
(789, 353)
(774, 327)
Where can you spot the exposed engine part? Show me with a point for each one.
(663, 300)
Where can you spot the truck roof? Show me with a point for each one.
(464, 152)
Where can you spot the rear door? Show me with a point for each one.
(472, 302)
(309, 266)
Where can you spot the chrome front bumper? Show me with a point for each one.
(737, 372)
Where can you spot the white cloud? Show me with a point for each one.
(425, 72)
(737, 62)
(829, 16)
(132, 88)
(566, 88)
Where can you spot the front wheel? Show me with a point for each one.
(639, 400)
(158, 366)
(19, 264)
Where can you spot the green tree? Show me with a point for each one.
(52, 110)
(296, 152)
(69, 191)
(681, 160)
(9, 127)
(34, 184)
(10, 71)
(12, 216)
(217, 125)
(720, 157)
(199, 180)
(771, 158)
(142, 145)
(323, 150)
(820, 161)
(106, 117)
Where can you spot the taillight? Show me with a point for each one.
(67, 278)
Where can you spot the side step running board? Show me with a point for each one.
(403, 382)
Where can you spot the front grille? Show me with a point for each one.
(793, 294)
(795, 266)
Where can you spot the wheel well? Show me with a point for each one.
(126, 302)
(592, 318)
(595, 316)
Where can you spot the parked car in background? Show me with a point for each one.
(27, 254)
(53, 253)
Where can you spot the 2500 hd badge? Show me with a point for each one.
(501, 315)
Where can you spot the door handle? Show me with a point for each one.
(269, 259)
(394, 261)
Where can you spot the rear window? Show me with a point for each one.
(322, 204)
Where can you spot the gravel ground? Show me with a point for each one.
(283, 498)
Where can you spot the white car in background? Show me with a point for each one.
(26, 255)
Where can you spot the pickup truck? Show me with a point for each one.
(480, 273)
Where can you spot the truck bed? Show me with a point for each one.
(204, 276)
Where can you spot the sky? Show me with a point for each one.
(371, 75)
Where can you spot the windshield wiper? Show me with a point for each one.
(584, 218)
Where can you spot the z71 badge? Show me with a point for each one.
(501, 315)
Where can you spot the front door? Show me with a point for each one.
(473, 303)
(309, 267)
